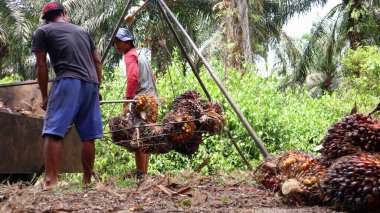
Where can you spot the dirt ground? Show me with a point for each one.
(158, 193)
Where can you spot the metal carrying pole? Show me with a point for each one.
(219, 83)
(195, 71)
(115, 30)
(117, 101)
(184, 53)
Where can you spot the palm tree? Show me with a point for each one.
(16, 30)
(149, 29)
(264, 19)
(348, 25)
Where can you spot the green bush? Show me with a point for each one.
(10, 79)
(362, 69)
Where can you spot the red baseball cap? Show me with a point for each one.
(52, 6)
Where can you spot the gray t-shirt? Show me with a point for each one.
(146, 85)
(70, 50)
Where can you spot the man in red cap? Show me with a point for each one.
(74, 97)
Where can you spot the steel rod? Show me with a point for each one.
(115, 31)
(200, 167)
(117, 101)
(218, 82)
(249, 165)
(184, 53)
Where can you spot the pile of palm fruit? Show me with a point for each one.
(346, 175)
(296, 176)
(181, 129)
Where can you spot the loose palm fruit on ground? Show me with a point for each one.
(295, 174)
(353, 183)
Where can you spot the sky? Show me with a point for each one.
(298, 26)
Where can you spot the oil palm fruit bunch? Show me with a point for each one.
(353, 134)
(301, 175)
(190, 106)
(268, 173)
(189, 146)
(146, 108)
(215, 106)
(152, 139)
(179, 126)
(121, 132)
(212, 119)
(191, 94)
(294, 174)
(353, 183)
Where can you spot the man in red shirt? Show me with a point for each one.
(140, 81)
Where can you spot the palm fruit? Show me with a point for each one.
(295, 174)
(214, 106)
(146, 108)
(268, 174)
(353, 183)
(121, 132)
(152, 140)
(179, 126)
(190, 106)
(353, 134)
(212, 119)
(189, 146)
(192, 94)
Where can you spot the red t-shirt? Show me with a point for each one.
(132, 71)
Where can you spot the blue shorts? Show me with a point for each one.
(73, 101)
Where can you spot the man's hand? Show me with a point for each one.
(125, 110)
(100, 97)
(43, 103)
(130, 19)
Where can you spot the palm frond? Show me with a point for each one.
(306, 60)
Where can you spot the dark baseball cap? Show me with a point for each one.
(52, 6)
(124, 35)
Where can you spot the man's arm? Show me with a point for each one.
(42, 76)
(132, 69)
(132, 78)
(98, 65)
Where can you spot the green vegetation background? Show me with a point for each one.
(284, 119)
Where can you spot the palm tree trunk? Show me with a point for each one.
(238, 35)
(242, 6)
(354, 35)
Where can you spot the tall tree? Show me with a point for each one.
(17, 25)
(349, 24)
(252, 27)
(149, 29)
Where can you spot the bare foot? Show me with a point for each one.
(46, 186)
